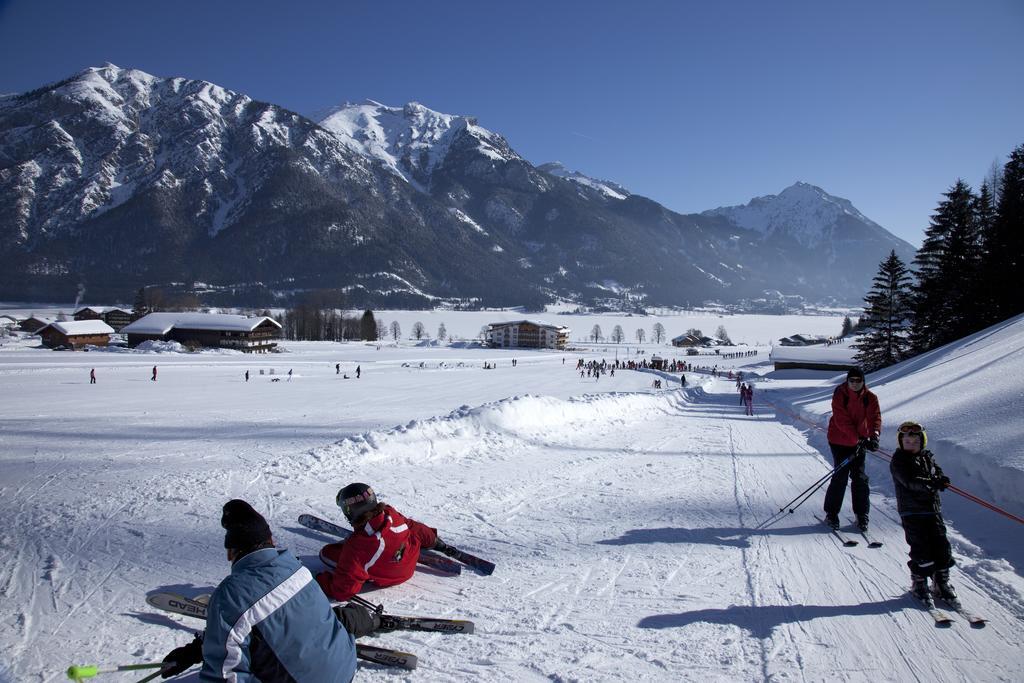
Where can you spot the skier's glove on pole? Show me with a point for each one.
(183, 658)
(357, 620)
(942, 483)
(872, 444)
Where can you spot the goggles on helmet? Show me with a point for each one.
(911, 428)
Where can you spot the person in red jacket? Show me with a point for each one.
(383, 548)
(856, 416)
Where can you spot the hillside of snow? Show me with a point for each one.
(623, 519)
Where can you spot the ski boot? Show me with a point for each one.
(832, 521)
(862, 522)
(919, 588)
(943, 589)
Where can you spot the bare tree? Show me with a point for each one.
(658, 333)
(382, 329)
(442, 332)
(639, 335)
(617, 334)
(396, 330)
(418, 331)
(595, 334)
(723, 335)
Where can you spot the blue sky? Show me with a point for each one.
(694, 104)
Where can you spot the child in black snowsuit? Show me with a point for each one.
(917, 481)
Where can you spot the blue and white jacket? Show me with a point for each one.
(269, 621)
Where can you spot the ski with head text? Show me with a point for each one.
(941, 618)
(426, 558)
(179, 604)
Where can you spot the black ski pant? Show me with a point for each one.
(854, 472)
(929, 547)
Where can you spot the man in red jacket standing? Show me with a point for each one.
(383, 548)
(855, 416)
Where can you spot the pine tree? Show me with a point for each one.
(368, 327)
(947, 271)
(986, 291)
(1006, 245)
(886, 318)
(847, 327)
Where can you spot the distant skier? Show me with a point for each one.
(246, 375)
(682, 380)
(268, 620)
(383, 548)
(748, 399)
(917, 480)
(359, 371)
(92, 376)
(743, 393)
(289, 374)
(153, 378)
(855, 416)
(337, 368)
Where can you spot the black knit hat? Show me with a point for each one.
(245, 527)
(855, 373)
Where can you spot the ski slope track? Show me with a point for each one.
(622, 525)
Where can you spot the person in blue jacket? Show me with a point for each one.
(268, 620)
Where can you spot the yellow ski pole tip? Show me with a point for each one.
(77, 673)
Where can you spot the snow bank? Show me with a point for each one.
(478, 433)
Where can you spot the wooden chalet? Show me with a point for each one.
(113, 316)
(75, 334)
(214, 330)
(34, 323)
(528, 334)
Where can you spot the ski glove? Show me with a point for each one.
(942, 483)
(183, 658)
(872, 444)
(357, 620)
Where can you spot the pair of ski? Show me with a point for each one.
(850, 542)
(427, 558)
(942, 618)
(179, 604)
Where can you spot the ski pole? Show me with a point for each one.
(79, 673)
(805, 495)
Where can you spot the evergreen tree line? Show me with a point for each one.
(966, 276)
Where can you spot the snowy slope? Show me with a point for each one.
(622, 523)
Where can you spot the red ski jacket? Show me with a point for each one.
(855, 416)
(384, 551)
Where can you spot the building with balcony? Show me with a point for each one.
(527, 334)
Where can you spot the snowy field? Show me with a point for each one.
(621, 518)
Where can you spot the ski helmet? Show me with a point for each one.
(355, 500)
(911, 427)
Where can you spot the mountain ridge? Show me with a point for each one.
(116, 178)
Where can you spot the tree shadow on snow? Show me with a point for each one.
(724, 536)
(761, 620)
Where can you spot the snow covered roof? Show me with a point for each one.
(75, 327)
(162, 323)
(538, 323)
(100, 310)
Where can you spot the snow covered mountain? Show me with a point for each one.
(613, 190)
(115, 179)
(412, 140)
(805, 214)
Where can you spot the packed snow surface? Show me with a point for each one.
(622, 519)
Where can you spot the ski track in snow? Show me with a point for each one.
(623, 527)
